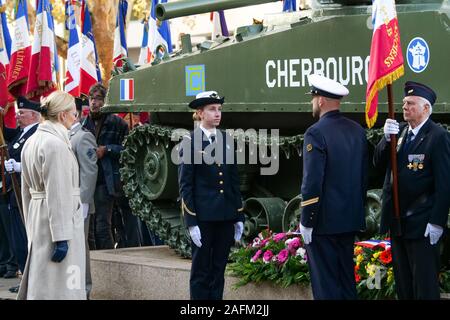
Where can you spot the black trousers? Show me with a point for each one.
(331, 266)
(7, 259)
(209, 261)
(19, 244)
(416, 268)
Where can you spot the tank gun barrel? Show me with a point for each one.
(183, 8)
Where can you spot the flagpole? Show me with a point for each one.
(391, 114)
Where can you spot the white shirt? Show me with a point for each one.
(208, 133)
(28, 127)
(416, 130)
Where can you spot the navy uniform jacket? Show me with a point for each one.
(15, 146)
(209, 192)
(335, 163)
(423, 180)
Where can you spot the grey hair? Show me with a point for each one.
(426, 102)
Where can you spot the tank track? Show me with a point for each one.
(152, 211)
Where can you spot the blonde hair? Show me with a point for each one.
(55, 103)
(195, 116)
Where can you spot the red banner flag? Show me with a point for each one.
(386, 58)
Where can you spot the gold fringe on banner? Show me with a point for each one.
(378, 86)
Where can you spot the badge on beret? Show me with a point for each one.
(309, 147)
(16, 145)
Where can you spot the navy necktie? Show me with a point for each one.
(409, 139)
(212, 138)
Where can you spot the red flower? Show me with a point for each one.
(357, 276)
(386, 256)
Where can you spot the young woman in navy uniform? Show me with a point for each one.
(210, 196)
(423, 158)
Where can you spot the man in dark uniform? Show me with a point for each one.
(210, 196)
(333, 190)
(28, 118)
(423, 159)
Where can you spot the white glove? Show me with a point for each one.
(391, 126)
(238, 230)
(12, 166)
(434, 231)
(306, 234)
(196, 236)
(85, 207)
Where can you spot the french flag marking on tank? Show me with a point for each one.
(126, 89)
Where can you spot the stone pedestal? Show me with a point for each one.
(155, 273)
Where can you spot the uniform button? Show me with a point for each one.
(221, 191)
(218, 164)
(220, 173)
(221, 182)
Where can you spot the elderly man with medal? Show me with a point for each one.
(423, 159)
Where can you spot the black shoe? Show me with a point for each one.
(3, 271)
(14, 289)
(10, 274)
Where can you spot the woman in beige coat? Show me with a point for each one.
(55, 268)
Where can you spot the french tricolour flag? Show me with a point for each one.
(89, 71)
(6, 100)
(154, 36)
(5, 53)
(42, 73)
(386, 244)
(120, 42)
(20, 52)
(126, 89)
(72, 81)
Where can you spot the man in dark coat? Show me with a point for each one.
(423, 159)
(28, 117)
(109, 131)
(335, 162)
(210, 197)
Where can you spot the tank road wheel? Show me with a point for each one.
(262, 213)
(150, 183)
(292, 213)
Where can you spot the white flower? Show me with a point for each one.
(303, 261)
(300, 252)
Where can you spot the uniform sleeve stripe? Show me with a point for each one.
(187, 209)
(309, 202)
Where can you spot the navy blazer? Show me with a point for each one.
(335, 163)
(209, 189)
(423, 180)
(15, 146)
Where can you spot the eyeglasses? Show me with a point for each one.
(22, 112)
(99, 98)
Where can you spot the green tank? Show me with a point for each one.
(262, 71)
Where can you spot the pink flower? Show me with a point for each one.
(263, 243)
(294, 245)
(283, 255)
(267, 256)
(256, 256)
(279, 236)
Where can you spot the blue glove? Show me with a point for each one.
(60, 252)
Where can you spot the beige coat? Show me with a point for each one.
(52, 211)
